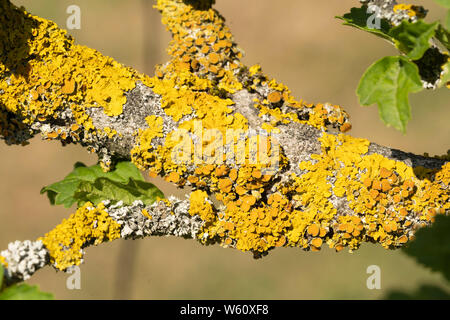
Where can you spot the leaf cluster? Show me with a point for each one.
(90, 184)
(389, 81)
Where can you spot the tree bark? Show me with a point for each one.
(318, 186)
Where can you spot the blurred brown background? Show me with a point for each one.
(300, 44)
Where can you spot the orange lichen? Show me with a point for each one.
(274, 97)
(384, 198)
(59, 67)
(42, 73)
(314, 230)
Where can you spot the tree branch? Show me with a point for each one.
(304, 184)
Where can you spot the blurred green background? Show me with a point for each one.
(300, 44)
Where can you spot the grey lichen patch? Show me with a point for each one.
(23, 259)
(163, 218)
(388, 9)
(243, 103)
(150, 103)
(141, 101)
(299, 142)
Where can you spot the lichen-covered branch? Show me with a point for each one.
(91, 225)
(267, 170)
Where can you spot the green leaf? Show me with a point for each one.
(443, 35)
(104, 188)
(62, 192)
(431, 246)
(413, 38)
(387, 83)
(444, 3)
(360, 18)
(24, 292)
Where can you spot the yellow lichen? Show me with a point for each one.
(200, 206)
(3, 261)
(88, 225)
(387, 199)
(411, 10)
(251, 225)
(43, 72)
